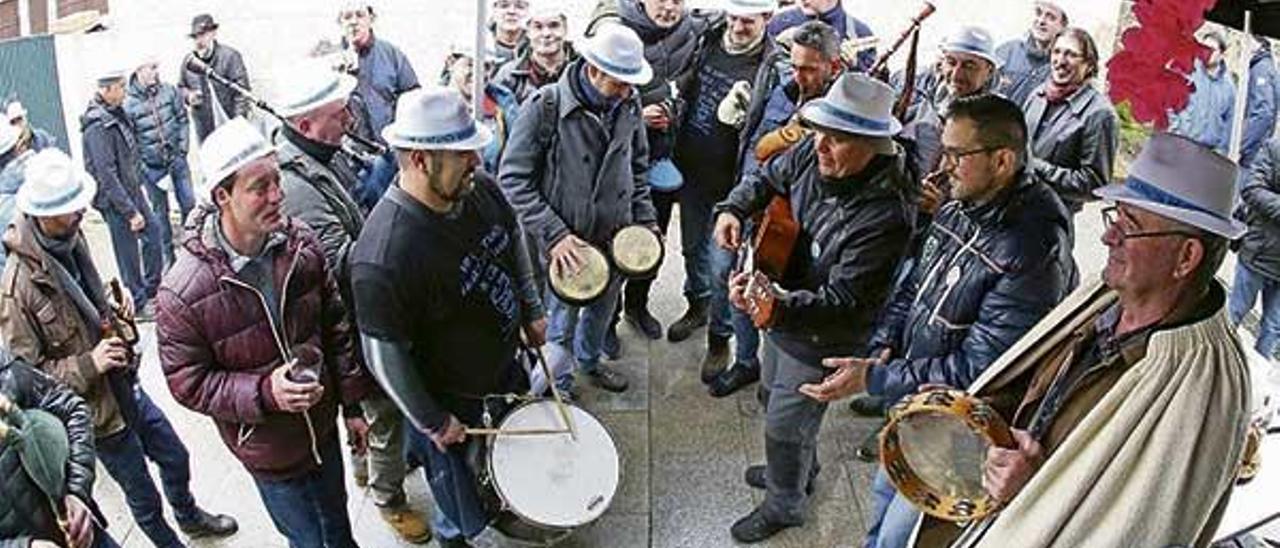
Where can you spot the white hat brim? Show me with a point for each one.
(212, 180)
(823, 117)
(89, 188)
(1227, 228)
(482, 137)
(743, 11)
(638, 79)
(990, 58)
(346, 84)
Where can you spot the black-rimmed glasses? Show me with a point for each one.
(1110, 214)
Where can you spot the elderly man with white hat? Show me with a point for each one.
(1024, 62)
(1129, 402)
(111, 157)
(316, 113)
(31, 137)
(557, 156)
(52, 310)
(444, 290)
(252, 332)
(848, 190)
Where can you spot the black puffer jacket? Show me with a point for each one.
(111, 157)
(853, 232)
(984, 276)
(25, 513)
(159, 120)
(1260, 246)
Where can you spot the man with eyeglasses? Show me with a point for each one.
(1024, 62)
(1128, 403)
(995, 260)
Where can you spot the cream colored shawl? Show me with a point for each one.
(1149, 463)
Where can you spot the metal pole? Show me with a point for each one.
(1242, 92)
(478, 61)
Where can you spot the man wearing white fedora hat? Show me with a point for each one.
(111, 156)
(30, 136)
(444, 291)
(849, 192)
(253, 333)
(1129, 401)
(316, 113)
(583, 137)
(52, 311)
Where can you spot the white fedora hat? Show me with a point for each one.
(232, 146)
(310, 85)
(750, 7)
(53, 185)
(617, 51)
(1178, 178)
(9, 135)
(857, 104)
(435, 118)
(14, 111)
(974, 41)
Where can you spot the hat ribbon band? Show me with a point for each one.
(1153, 193)
(333, 86)
(446, 139)
(868, 123)
(61, 200)
(611, 67)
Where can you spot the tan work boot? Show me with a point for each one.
(410, 525)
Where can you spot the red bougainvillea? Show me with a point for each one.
(1150, 72)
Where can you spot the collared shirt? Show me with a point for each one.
(257, 270)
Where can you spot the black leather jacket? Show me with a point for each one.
(853, 233)
(1260, 208)
(984, 275)
(25, 513)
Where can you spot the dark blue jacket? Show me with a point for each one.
(1260, 197)
(1207, 119)
(847, 26)
(1260, 110)
(384, 74)
(1023, 67)
(159, 120)
(111, 157)
(984, 275)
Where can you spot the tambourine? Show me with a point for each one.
(1251, 456)
(587, 285)
(637, 251)
(933, 450)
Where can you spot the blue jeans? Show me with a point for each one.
(1244, 292)
(180, 175)
(461, 514)
(311, 510)
(139, 273)
(581, 329)
(746, 338)
(696, 243)
(375, 180)
(125, 455)
(893, 517)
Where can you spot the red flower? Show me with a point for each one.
(1150, 72)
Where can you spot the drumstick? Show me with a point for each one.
(555, 393)
(516, 431)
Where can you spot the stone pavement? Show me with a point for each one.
(683, 452)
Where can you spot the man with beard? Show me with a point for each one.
(507, 27)
(444, 289)
(849, 193)
(831, 12)
(706, 152)
(316, 111)
(204, 95)
(776, 97)
(1207, 118)
(382, 73)
(1024, 63)
(545, 59)
(1073, 126)
(161, 125)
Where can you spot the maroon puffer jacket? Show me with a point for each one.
(218, 347)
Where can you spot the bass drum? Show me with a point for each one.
(545, 486)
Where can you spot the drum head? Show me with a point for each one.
(934, 447)
(637, 251)
(585, 286)
(553, 480)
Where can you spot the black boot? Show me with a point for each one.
(756, 527)
(693, 318)
(716, 359)
(757, 476)
(209, 525)
(735, 377)
(635, 308)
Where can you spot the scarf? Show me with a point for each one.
(315, 149)
(75, 273)
(1056, 94)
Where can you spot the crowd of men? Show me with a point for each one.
(384, 253)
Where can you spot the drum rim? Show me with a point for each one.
(575, 301)
(506, 505)
(647, 273)
(977, 415)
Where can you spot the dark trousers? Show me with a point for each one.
(636, 291)
(139, 256)
(311, 510)
(791, 425)
(180, 177)
(125, 455)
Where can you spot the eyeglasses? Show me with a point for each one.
(953, 156)
(1110, 214)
